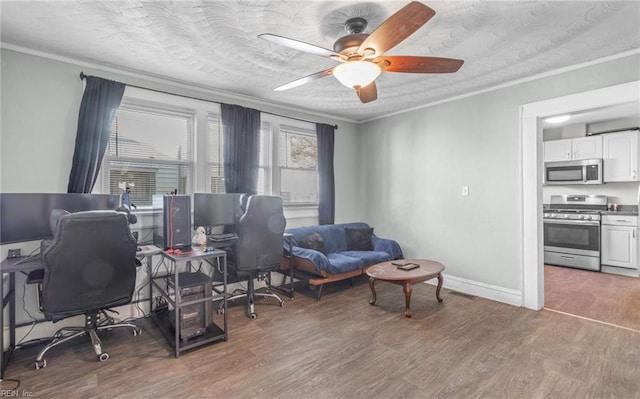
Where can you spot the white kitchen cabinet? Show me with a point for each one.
(587, 147)
(619, 235)
(620, 156)
(573, 149)
(557, 150)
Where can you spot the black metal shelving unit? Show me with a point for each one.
(167, 287)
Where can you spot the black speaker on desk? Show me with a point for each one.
(172, 221)
(193, 319)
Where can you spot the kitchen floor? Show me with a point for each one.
(607, 298)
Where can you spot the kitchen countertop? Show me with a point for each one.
(621, 212)
(626, 210)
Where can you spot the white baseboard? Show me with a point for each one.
(487, 291)
(620, 271)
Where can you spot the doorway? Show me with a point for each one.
(531, 194)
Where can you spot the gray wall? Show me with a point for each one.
(416, 164)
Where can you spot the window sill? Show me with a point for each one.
(307, 207)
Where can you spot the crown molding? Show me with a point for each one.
(513, 83)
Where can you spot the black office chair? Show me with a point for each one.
(89, 267)
(258, 250)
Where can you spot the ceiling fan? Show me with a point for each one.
(361, 55)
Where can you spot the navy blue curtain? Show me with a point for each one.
(326, 184)
(241, 130)
(100, 101)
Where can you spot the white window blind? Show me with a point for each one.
(264, 160)
(215, 159)
(150, 150)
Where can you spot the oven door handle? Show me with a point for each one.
(573, 222)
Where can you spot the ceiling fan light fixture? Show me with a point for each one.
(356, 73)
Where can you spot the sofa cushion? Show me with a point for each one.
(359, 239)
(333, 235)
(313, 241)
(300, 233)
(339, 263)
(388, 246)
(369, 257)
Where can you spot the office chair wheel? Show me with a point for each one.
(220, 311)
(253, 316)
(137, 331)
(104, 356)
(41, 364)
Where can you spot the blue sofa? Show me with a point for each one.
(327, 253)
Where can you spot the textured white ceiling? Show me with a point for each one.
(214, 44)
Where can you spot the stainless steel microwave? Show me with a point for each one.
(586, 171)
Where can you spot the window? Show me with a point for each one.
(295, 178)
(298, 166)
(149, 151)
(161, 142)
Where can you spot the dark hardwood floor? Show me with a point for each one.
(600, 296)
(342, 347)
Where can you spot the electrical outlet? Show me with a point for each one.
(465, 191)
(13, 253)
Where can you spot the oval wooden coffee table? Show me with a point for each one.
(388, 271)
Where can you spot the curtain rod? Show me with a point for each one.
(83, 75)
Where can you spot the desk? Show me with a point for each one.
(170, 325)
(25, 264)
(11, 266)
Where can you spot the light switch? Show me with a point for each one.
(465, 191)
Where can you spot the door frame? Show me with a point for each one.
(531, 115)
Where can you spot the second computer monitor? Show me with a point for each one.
(210, 210)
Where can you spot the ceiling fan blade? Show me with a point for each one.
(305, 80)
(396, 28)
(412, 64)
(300, 46)
(368, 93)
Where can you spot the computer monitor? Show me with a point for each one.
(25, 216)
(210, 210)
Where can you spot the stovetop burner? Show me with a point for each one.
(585, 208)
(576, 203)
(564, 210)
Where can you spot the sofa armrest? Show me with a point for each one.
(319, 259)
(389, 246)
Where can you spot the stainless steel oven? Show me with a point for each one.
(572, 231)
(574, 243)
